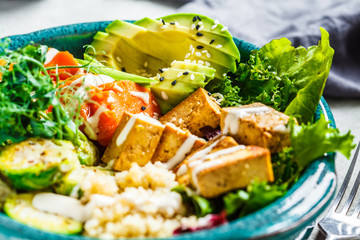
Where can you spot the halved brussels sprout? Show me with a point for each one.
(36, 163)
(20, 208)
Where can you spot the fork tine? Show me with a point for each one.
(340, 195)
(351, 197)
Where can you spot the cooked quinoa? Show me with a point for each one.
(138, 203)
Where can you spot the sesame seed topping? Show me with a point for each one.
(201, 62)
(179, 74)
(212, 40)
(199, 34)
(172, 23)
(145, 64)
(187, 61)
(199, 47)
(158, 75)
(192, 26)
(191, 47)
(208, 55)
(200, 23)
(164, 26)
(201, 28)
(123, 69)
(216, 22)
(194, 62)
(197, 27)
(164, 96)
(207, 64)
(187, 55)
(195, 18)
(185, 73)
(118, 59)
(154, 102)
(192, 76)
(219, 46)
(209, 93)
(160, 70)
(176, 23)
(143, 108)
(173, 83)
(198, 54)
(192, 51)
(161, 79)
(173, 62)
(224, 29)
(204, 51)
(213, 26)
(163, 22)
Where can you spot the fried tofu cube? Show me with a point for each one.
(229, 169)
(175, 144)
(134, 140)
(197, 111)
(218, 143)
(256, 124)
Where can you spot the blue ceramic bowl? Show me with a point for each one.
(283, 219)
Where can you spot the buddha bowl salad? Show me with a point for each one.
(159, 129)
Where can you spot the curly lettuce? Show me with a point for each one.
(279, 75)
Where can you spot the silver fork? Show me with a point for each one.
(342, 224)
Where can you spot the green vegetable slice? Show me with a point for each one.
(19, 207)
(36, 164)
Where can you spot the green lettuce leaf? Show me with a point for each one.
(311, 141)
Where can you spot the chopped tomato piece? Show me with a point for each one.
(107, 102)
(62, 58)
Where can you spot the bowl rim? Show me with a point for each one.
(328, 160)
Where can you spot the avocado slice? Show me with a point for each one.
(37, 163)
(149, 46)
(19, 207)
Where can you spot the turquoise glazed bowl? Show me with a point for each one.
(283, 219)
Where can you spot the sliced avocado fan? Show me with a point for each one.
(148, 48)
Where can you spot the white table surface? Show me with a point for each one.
(17, 17)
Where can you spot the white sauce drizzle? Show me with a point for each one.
(50, 54)
(129, 125)
(143, 95)
(180, 154)
(59, 204)
(92, 123)
(87, 81)
(232, 118)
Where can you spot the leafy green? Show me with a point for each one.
(311, 141)
(279, 75)
(257, 195)
(26, 93)
(200, 205)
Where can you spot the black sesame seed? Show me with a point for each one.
(198, 18)
(195, 18)
(212, 40)
(199, 34)
(199, 47)
(172, 23)
(185, 73)
(163, 22)
(160, 70)
(209, 93)
(173, 83)
(197, 27)
(143, 108)
(161, 79)
(123, 69)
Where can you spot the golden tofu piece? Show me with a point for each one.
(256, 124)
(134, 140)
(218, 143)
(229, 169)
(175, 144)
(196, 111)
